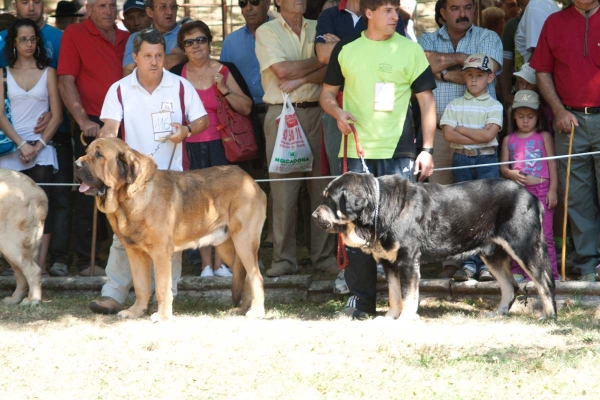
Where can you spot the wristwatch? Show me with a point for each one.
(189, 130)
(443, 75)
(228, 93)
(428, 150)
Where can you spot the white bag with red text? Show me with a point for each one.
(292, 152)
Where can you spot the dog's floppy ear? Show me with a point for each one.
(352, 204)
(128, 166)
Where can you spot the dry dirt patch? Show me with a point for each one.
(453, 352)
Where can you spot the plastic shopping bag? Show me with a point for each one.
(292, 152)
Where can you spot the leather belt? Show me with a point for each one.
(484, 151)
(261, 108)
(585, 110)
(302, 105)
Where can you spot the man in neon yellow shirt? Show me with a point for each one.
(380, 70)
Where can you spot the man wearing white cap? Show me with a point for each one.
(135, 18)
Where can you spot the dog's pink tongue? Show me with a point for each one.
(84, 187)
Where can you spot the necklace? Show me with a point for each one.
(201, 72)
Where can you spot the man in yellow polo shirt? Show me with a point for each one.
(285, 52)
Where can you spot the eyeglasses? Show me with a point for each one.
(244, 3)
(24, 40)
(199, 40)
(163, 7)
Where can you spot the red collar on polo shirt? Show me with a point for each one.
(342, 5)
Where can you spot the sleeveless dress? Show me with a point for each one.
(26, 107)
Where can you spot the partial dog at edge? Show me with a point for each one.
(23, 211)
(155, 213)
(403, 224)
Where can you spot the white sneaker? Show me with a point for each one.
(340, 286)
(207, 272)
(223, 271)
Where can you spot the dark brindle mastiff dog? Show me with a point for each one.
(155, 213)
(404, 224)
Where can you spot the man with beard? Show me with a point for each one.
(447, 50)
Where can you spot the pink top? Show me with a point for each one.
(528, 149)
(210, 102)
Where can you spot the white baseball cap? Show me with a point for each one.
(527, 73)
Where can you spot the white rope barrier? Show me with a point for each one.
(308, 178)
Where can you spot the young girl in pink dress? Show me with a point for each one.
(540, 178)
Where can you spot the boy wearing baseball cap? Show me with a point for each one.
(470, 124)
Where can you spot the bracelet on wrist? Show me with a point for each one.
(43, 142)
(228, 93)
(189, 130)
(20, 146)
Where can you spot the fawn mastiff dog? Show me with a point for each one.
(155, 213)
(403, 224)
(23, 211)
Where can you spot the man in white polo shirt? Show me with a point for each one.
(152, 103)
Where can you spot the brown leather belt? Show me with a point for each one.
(484, 151)
(302, 105)
(585, 110)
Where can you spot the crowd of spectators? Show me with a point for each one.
(444, 98)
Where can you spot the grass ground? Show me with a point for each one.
(300, 351)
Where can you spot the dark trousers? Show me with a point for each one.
(61, 199)
(84, 212)
(361, 272)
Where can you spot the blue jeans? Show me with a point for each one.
(361, 272)
(471, 174)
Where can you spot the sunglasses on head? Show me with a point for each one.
(199, 40)
(244, 3)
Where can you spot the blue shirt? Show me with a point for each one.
(238, 48)
(170, 44)
(477, 40)
(338, 21)
(51, 37)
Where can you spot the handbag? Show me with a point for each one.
(237, 132)
(7, 146)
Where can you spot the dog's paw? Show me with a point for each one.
(496, 314)
(238, 311)
(256, 313)
(130, 314)
(408, 318)
(156, 317)
(12, 300)
(30, 302)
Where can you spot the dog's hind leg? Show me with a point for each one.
(537, 265)
(498, 263)
(246, 249)
(27, 276)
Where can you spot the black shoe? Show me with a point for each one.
(463, 275)
(486, 276)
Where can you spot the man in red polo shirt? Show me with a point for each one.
(567, 61)
(90, 61)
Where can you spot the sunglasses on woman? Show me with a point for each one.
(32, 40)
(244, 3)
(199, 40)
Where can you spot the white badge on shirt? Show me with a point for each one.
(161, 124)
(384, 96)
